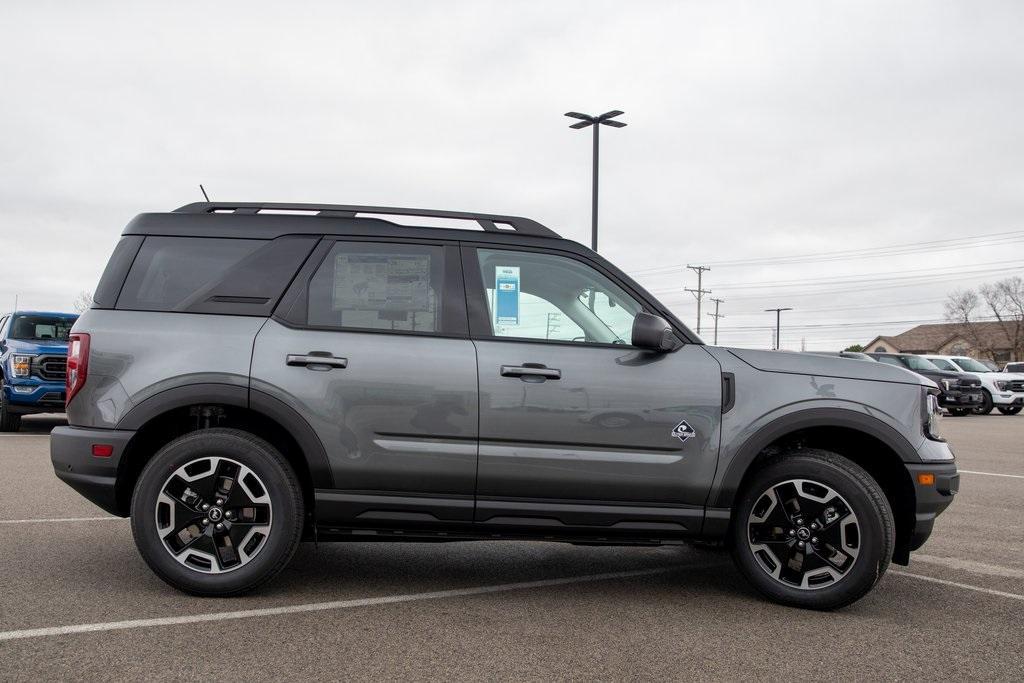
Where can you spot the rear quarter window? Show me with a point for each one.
(212, 275)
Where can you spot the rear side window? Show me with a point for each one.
(212, 275)
(378, 286)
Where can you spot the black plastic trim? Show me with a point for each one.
(728, 391)
(804, 419)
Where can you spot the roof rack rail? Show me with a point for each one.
(489, 222)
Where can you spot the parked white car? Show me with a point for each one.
(1002, 390)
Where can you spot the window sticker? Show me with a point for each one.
(506, 296)
(375, 282)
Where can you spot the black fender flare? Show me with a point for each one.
(240, 397)
(744, 456)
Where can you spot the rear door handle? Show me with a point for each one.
(530, 370)
(324, 359)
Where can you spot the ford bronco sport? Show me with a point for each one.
(248, 378)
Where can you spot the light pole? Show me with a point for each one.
(778, 318)
(604, 119)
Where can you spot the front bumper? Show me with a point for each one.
(931, 499)
(32, 395)
(965, 398)
(94, 477)
(1008, 399)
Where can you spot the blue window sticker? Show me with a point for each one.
(506, 295)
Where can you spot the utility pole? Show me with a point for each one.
(778, 319)
(700, 291)
(716, 315)
(585, 121)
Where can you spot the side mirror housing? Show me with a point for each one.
(652, 332)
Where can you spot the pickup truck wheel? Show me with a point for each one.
(1009, 410)
(9, 422)
(812, 529)
(217, 512)
(958, 412)
(986, 403)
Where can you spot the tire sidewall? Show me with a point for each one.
(986, 403)
(875, 539)
(266, 463)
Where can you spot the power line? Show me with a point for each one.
(965, 242)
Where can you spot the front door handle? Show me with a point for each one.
(316, 360)
(530, 370)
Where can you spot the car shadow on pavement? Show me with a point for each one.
(42, 424)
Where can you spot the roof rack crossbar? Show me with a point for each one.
(488, 222)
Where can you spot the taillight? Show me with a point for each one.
(78, 364)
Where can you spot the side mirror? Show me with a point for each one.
(652, 332)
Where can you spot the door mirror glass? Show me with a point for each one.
(652, 332)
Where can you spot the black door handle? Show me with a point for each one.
(316, 360)
(530, 370)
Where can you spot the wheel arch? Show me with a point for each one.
(863, 439)
(169, 414)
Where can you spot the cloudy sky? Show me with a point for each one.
(760, 135)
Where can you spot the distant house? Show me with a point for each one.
(991, 340)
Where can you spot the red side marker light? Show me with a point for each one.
(102, 450)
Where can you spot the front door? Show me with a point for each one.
(579, 430)
(367, 350)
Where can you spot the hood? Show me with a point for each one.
(827, 366)
(40, 347)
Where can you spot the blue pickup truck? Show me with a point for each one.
(33, 364)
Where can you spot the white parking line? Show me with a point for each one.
(944, 582)
(321, 606)
(992, 474)
(42, 520)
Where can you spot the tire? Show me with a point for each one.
(958, 412)
(862, 537)
(9, 422)
(986, 403)
(260, 519)
(1009, 410)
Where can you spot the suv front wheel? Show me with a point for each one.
(812, 529)
(217, 512)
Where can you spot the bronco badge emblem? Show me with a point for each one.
(683, 431)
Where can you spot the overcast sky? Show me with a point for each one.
(755, 130)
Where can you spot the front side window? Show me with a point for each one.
(943, 364)
(553, 298)
(41, 327)
(378, 286)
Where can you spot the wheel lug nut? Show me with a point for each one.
(206, 506)
(220, 501)
(229, 514)
(205, 521)
(219, 526)
(800, 543)
(814, 525)
(792, 532)
(814, 540)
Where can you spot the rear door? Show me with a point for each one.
(370, 346)
(579, 430)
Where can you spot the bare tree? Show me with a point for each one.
(82, 302)
(1002, 303)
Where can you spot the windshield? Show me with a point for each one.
(41, 327)
(918, 363)
(971, 365)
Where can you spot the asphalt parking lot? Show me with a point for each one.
(77, 601)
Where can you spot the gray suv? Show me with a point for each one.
(254, 375)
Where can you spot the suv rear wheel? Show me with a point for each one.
(217, 512)
(812, 529)
(9, 422)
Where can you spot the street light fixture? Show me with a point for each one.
(778, 316)
(586, 120)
